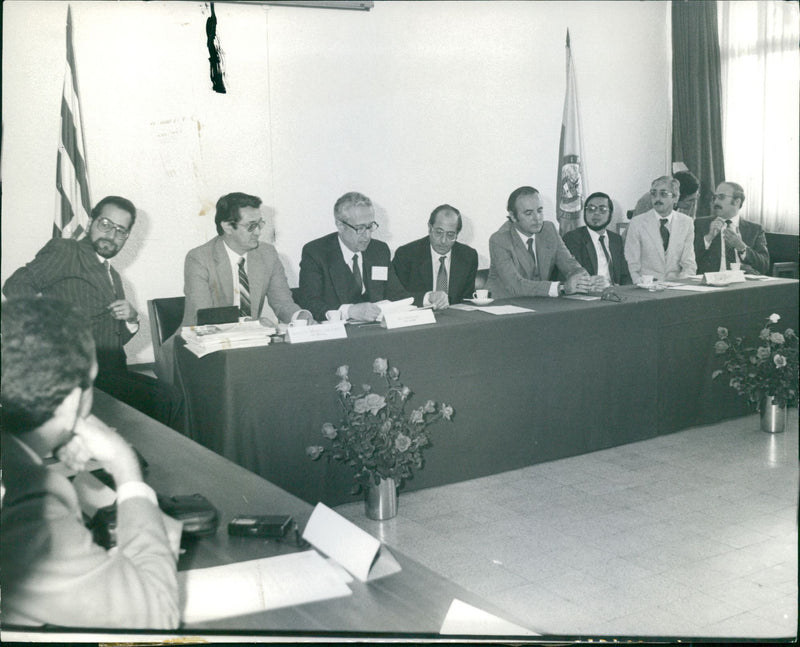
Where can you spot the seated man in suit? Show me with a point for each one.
(436, 269)
(526, 253)
(51, 572)
(236, 268)
(660, 243)
(347, 271)
(588, 244)
(687, 201)
(744, 241)
(80, 272)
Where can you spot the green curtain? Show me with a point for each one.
(696, 94)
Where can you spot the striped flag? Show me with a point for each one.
(571, 175)
(72, 183)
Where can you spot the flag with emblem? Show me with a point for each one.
(72, 181)
(571, 191)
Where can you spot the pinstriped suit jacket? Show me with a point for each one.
(69, 270)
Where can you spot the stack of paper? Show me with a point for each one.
(202, 340)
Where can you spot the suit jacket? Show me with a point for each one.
(69, 270)
(756, 258)
(414, 268)
(326, 279)
(208, 281)
(644, 249)
(53, 573)
(511, 266)
(579, 243)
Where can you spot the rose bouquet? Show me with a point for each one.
(375, 436)
(769, 368)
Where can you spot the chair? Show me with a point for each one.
(622, 228)
(165, 318)
(786, 270)
(480, 279)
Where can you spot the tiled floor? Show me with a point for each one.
(690, 534)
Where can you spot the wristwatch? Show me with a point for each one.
(561, 290)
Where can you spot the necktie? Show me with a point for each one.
(728, 254)
(664, 233)
(107, 265)
(533, 256)
(245, 309)
(357, 274)
(441, 277)
(605, 251)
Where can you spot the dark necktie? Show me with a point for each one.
(357, 274)
(605, 251)
(728, 253)
(244, 291)
(441, 277)
(533, 256)
(107, 265)
(664, 233)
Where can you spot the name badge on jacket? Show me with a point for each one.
(380, 273)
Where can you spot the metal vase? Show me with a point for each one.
(380, 502)
(773, 416)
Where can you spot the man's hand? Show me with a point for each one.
(439, 300)
(94, 439)
(717, 225)
(364, 312)
(578, 282)
(734, 240)
(599, 283)
(123, 310)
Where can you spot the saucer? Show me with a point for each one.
(480, 302)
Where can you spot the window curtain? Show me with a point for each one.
(760, 82)
(696, 93)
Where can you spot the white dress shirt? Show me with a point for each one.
(602, 263)
(435, 256)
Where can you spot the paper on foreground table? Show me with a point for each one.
(258, 585)
(467, 620)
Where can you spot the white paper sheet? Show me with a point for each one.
(258, 585)
(353, 548)
(504, 310)
(696, 288)
(465, 619)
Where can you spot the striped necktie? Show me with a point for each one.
(357, 274)
(664, 233)
(107, 265)
(441, 277)
(531, 251)
(245, 309)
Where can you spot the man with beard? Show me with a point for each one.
(526, 255)
(660, 242)
(436, 269)
(78, 272)
(744, 241)
(593, 246)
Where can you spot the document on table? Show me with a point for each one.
(503, 310)
(465, 619)
(258, 585)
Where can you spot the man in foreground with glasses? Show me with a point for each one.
(744, 241)
(660, 242)
(598, 250)
(79, 272)
(436, 269)
(343, 274)
(235, 268)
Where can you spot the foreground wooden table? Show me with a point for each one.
(414, 601)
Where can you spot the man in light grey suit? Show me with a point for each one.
(527, 256)
(235, 268)
(660, 242)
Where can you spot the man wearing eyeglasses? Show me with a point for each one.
(660, 242)
(79, 272)
(436, 269)
(236, 268)
(725, 238)
(343, 274)
(598, 250)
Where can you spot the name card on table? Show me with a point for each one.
(408, 318)
(320, 332)
(725, 277)
(358, 552)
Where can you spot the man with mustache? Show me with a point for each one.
(79, 272)
(599, 251)
(660, 242)
(725, 238)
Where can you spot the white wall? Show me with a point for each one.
(412, 103)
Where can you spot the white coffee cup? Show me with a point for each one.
(647, 280)
(736, 266)
(481, 295)
(333, 315)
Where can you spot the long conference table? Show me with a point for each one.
(571, 377)
(413, 602)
